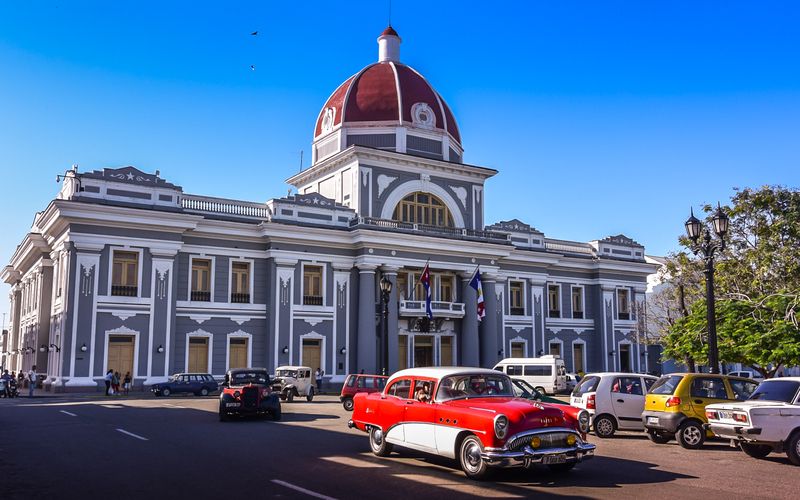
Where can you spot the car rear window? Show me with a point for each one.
(538, 370)
(587, 384)
(382, 382)
(666, 384)
(776, 390)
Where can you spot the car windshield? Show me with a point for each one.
(776, 390)
(175, 377)
(249, 377)
(588, 384)
(473, 386)
(524, 389)
(666, 385)
(286, 373)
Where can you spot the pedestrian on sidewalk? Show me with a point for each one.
(7, 379)
(115, 383)
(126, 384)
(318, 377)
(31, 380)
(108, 377)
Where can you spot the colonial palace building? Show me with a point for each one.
(125, 270)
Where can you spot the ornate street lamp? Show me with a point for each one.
(386, 290)
(706, 246)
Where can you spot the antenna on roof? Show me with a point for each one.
(301, 161)
(390, 12)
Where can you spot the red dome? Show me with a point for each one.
(387, 92)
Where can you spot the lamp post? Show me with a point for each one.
(706, 246)
(386, 290)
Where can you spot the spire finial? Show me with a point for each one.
(389, 45)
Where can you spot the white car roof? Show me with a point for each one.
(439, 372)
(541, 360)
(292, 367)
(791, 379)
(617, 374)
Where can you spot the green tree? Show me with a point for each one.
(757, 286)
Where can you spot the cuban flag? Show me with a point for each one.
(475, 283)
(425, 279)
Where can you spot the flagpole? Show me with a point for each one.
(414, 288)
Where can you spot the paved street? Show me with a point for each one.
(141, 447)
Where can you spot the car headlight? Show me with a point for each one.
(236, 394)
(583, 421)
(500, 426)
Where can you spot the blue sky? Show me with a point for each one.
(602, 117)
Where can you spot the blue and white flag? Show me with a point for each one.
(475, 283)
(425, 279)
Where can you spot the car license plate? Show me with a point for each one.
(228, 405)
(652, 420)
(577, 401)
(725, 414)
(554, 459)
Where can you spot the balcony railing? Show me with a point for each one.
(577, 314)
(201, 296)
(440, 309)
(518, 311)
(553, 314)
(240, 298)
(625, 316)
(225, 206)
(312, 300)
(568, 246)
(124, 290)
(447, 232)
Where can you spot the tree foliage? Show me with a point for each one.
(757, 286)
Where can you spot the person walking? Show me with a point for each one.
(126, 383)
(108, 377)
(115, 383)
(318, 377)
(32, 380)
(7, 379)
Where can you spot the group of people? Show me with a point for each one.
(112, 380)
(13, 380)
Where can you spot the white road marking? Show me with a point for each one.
(133, 435)
(353, 462)
(302, 490)
(68, 413)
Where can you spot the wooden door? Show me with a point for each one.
(312, 354)
(120, 354)
(402, 352)
(446, 351)
(423, 351)
(198, 355)
(238, 353)
(577, 358)
(517, 350)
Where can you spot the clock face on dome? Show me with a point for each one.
(327, 119)
(422, 115)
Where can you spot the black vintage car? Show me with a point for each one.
(246, 391)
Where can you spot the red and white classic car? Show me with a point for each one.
(471, 414)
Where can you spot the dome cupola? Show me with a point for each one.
(388, 105)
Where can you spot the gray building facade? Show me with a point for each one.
(126, 271)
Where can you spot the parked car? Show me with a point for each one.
(752, 375)
(469, 414)
(572, 380)
(293, 381)
(614, 400)
(355, 383)
(546, 373)
(525, 390)
(199, 384)
(246, 391)
(676, 405)
(767, 422)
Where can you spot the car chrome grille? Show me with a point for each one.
(549, 440)
(250, 397)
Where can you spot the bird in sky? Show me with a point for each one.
(254, 33)
(252, 67)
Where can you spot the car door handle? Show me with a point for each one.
(409, 402)
(698, 401)
(620, 401)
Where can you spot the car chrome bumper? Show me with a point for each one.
(527, 456)
(737, 432)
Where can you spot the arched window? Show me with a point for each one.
(423, 208)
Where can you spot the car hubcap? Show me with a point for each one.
(472, 456)
(797, 448)
(604, 427)
(377, 437)
(692, 435)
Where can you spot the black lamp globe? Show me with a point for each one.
(693, 227)
(721, 222)
(386, 285)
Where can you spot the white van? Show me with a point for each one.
(546, 373)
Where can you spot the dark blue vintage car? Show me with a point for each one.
(199, 384)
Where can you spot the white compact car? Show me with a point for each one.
(768, 421)
(615, 400)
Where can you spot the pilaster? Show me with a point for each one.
(366, 358)
(470, 342)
